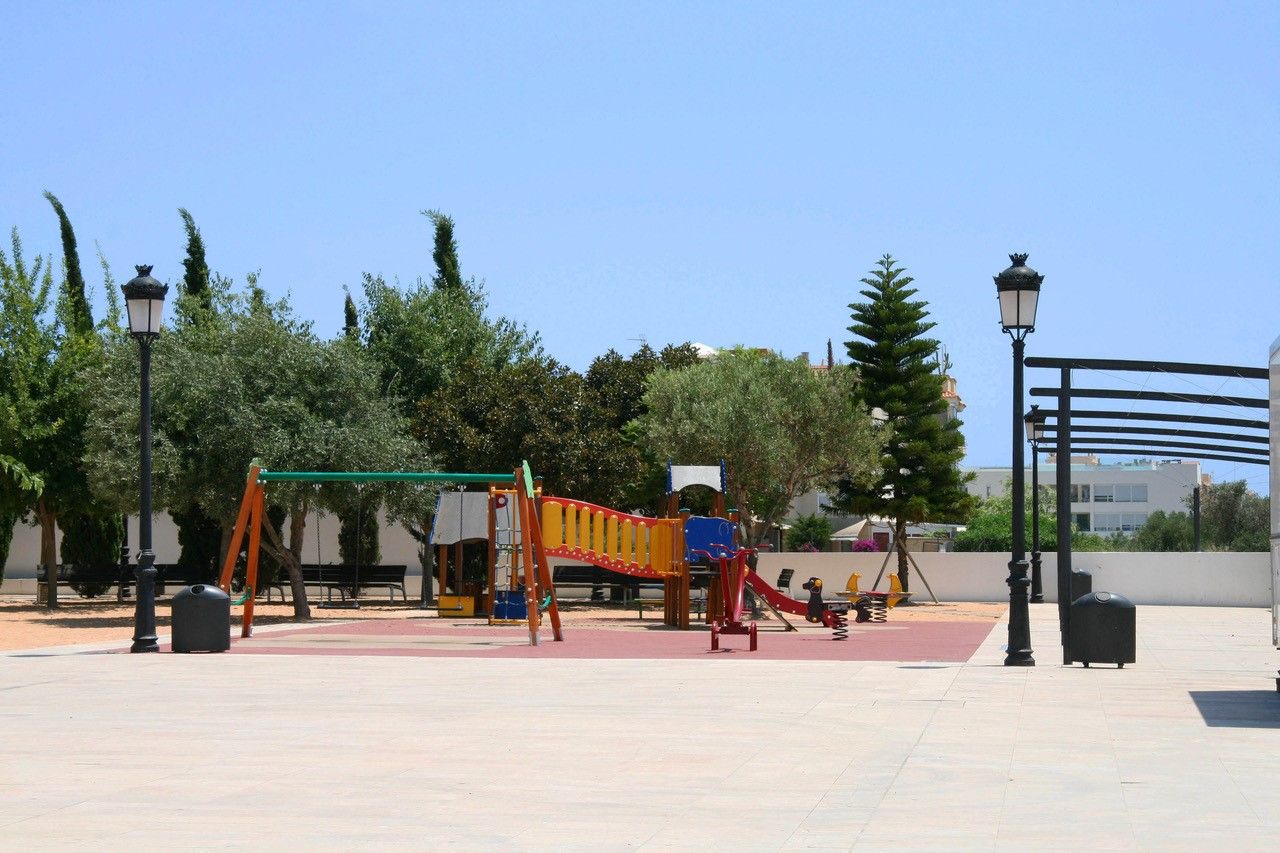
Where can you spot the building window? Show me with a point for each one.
(1079, 493)
(1131, 493)
(1081, 521)
(1104, 494)
(1118, 522)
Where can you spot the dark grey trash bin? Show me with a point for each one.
(1104, 629)
(201, 619)
(1081, 583)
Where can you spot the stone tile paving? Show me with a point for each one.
(1178, 751)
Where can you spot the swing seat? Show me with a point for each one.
(244, 596)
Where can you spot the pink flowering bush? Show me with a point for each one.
(863, 546)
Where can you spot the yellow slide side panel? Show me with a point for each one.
(584, 528)
(552, 525)
(571, 526)
(611, 537)
(457, 605)
(597, 532)
(628, 538)
(642, 545)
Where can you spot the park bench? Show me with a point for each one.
(343, 579)
(109, 574)
(168, 576)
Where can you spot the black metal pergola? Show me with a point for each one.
(1118, 432)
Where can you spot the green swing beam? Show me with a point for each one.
(379, 477)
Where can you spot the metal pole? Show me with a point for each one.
(1063, 474)
(1195, 516)
(144, 618)
(1019, 650)
(1037, 582)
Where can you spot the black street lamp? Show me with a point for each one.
(1018, 290)
(1035, 433)
(144, 297)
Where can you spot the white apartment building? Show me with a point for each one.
(1111, 497)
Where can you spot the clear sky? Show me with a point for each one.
(719, 172)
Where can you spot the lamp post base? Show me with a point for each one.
(1037, 586)
(1019, 648)
(144, 613)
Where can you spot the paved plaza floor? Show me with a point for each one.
(333, 749)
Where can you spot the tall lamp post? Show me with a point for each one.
(1018, 291)
(1035, 432)
(144, 297)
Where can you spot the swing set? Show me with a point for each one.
(251, 521)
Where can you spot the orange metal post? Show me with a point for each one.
(251, 569)
(548, 586)
(527, 525)
(242, 519)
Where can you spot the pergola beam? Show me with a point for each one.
(1167, 417)
(1153, 396)
(1139, 366)
(1112, 451)
(1190, 433)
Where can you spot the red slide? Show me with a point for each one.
(782, 601)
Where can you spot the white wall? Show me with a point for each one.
(1221, 579)
(398, 547)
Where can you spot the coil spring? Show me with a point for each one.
(840, 630)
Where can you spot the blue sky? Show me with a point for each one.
(721, 172)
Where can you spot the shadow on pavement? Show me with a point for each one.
(1239, 709)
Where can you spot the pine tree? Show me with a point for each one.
(448, 273)
(920, 477)
(195, 276)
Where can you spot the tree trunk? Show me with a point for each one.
(49, 549)
(292, 559)
(900, 539)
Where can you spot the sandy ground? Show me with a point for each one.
(23, 625)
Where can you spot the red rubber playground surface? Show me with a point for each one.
(944, 641)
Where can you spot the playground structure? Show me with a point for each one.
(539, 590)
(523, 528)
(663, 549)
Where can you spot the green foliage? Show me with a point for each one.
(195, 271)
(362, 521)
(489, 419)
(448, 273)
(812, 530)
(920, 478)
(251, 381)
(781, 430)
(79, 320)
(351, 320)
(421, 338)
(44, 356)
(615, 469)
(1233, 518)
(1164, 532)
(7, 520)
(199, 541)
(899, 369)
(90, 542)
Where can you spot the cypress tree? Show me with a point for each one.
(79, 318)
(448, 274)
(195, 276)
(351, 323)
(199, 536)
(920, 477)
